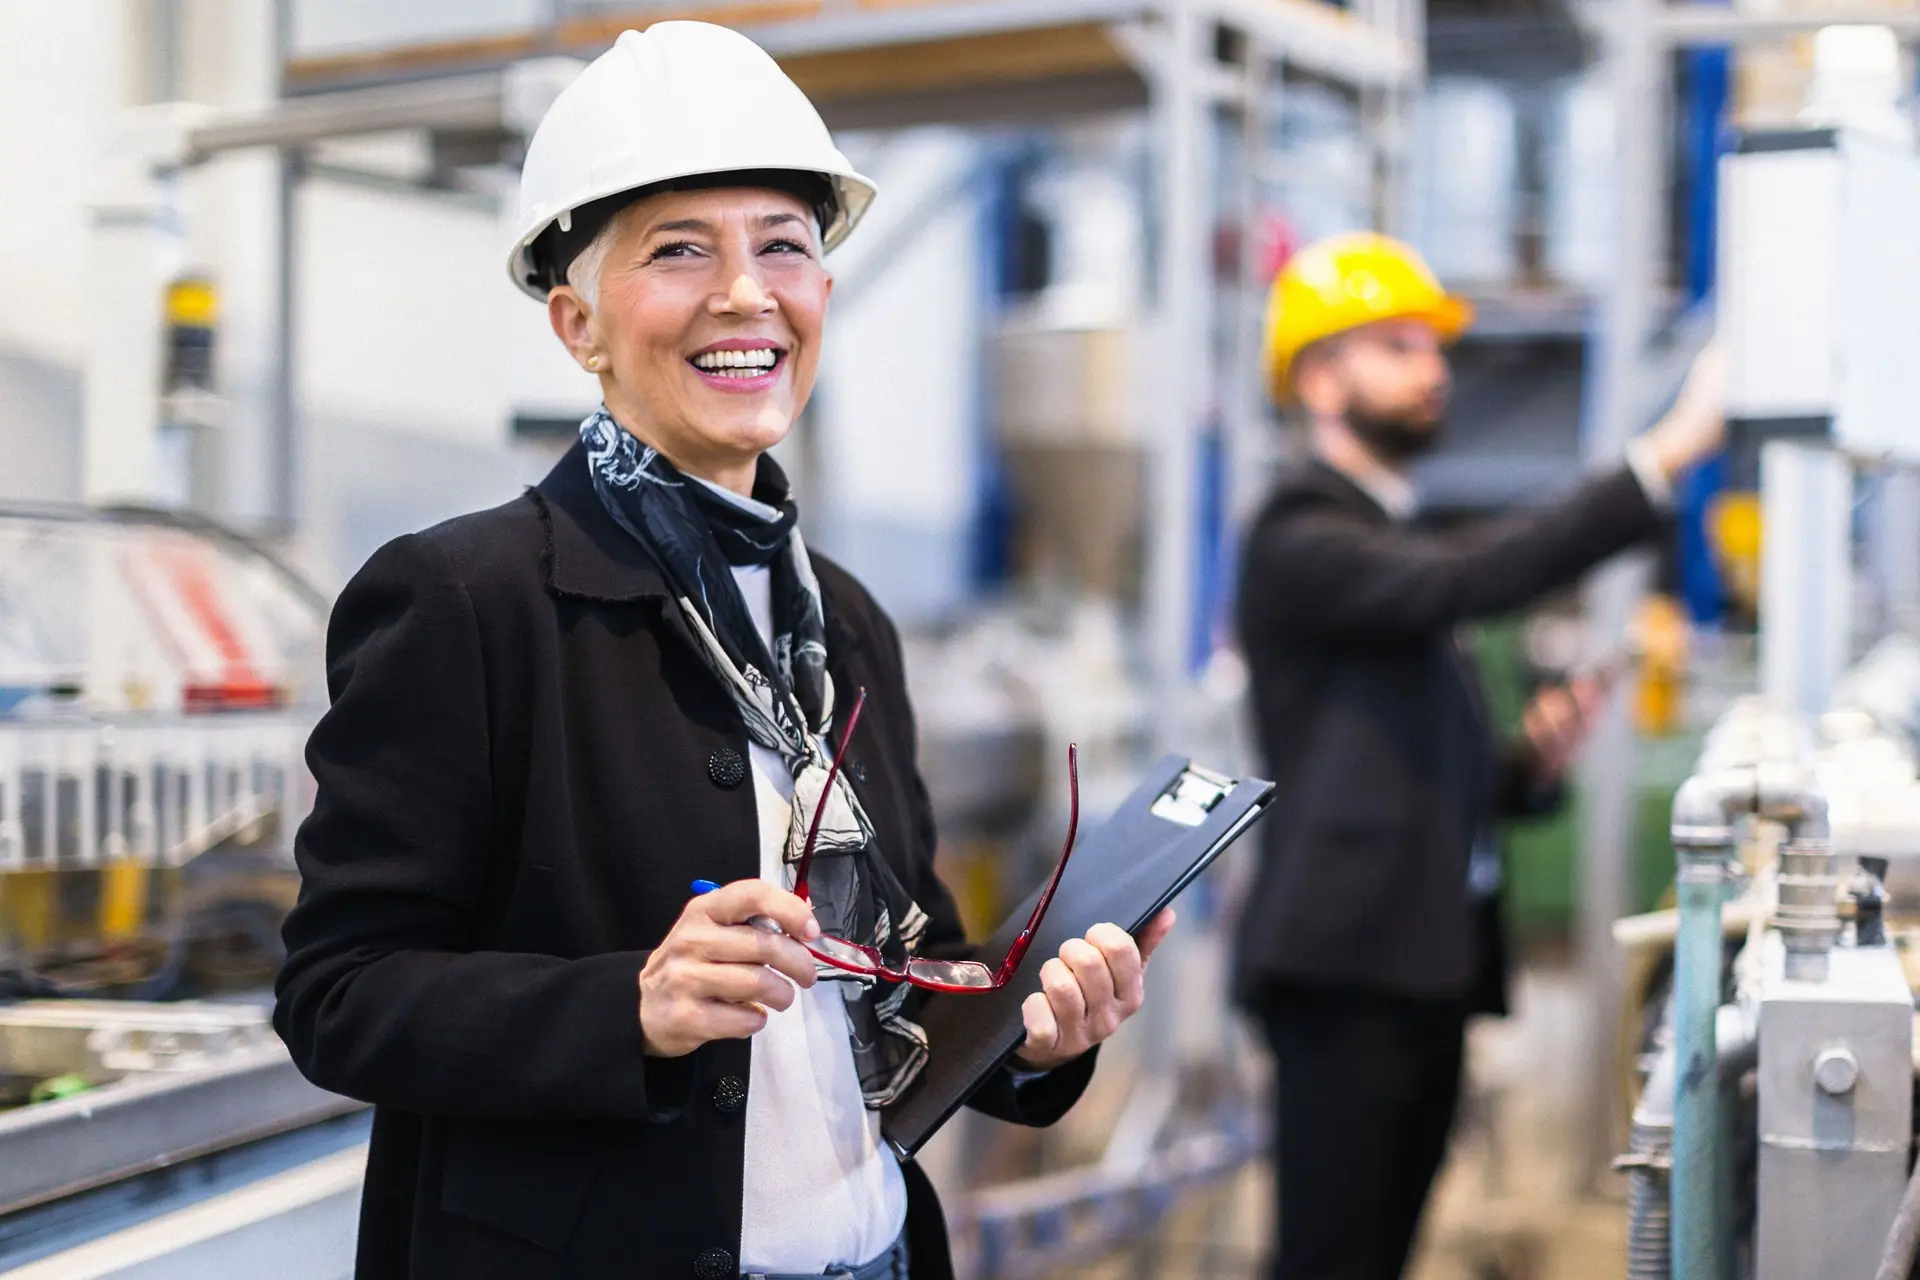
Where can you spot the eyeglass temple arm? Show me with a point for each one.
(826, 793)
(1018, 951)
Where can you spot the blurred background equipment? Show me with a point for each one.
(158, 677)
(1774, 1126)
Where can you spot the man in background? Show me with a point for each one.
(1373, 928)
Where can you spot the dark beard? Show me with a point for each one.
(1393, 440)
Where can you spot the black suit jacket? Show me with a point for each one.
(1371, 722)
(514, 798)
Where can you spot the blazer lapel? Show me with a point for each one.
(588, 556)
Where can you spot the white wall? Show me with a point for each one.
(403, 308)
(60, 83)
(409, 336)
(323, 27)
(900, 377)
(1466, 198)
(1582, 180)
(227, 58)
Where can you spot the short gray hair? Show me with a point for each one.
(583, 273)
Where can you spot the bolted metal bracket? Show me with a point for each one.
(1836, 1071)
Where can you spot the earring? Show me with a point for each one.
(593, 364)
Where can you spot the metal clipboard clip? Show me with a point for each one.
(1192, 796)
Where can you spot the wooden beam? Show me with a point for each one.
(590, 35)
(578, 36)
(985, 59)
(1027, 102)
(339, 70)
(1002, 58)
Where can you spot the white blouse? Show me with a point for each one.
(820, 1186)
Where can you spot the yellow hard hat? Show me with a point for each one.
(1343, 282)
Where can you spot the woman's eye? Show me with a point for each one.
(673, 249)
(786, 246)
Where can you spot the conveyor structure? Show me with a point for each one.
(158, 677)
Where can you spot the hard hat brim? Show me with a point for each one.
(1453, 317)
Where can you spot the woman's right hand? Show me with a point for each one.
(714, 976)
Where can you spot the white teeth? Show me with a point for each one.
(737, 364)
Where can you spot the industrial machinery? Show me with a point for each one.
(158, 677)
(1773, 1134)
(1775, 1126)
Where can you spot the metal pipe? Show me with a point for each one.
(1649, 1162)
(283, 412)
(1808, 916)
(283, 500)
(1649, 1212)
(1704, 812)
(1640, 89)
(1903, 1241)
(1806, 593)
(1693, 25)
(1182, 370)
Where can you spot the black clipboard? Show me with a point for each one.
(1176, 822)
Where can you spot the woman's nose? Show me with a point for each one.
(745, 297)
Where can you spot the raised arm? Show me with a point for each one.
(1330, 574)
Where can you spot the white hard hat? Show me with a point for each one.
(680, 100)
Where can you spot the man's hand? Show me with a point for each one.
(714, 976)
(1696, 427)
(1558, 720)
(1089, 989)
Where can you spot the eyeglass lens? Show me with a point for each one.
(969, 975)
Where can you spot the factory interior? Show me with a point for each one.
(257, 329)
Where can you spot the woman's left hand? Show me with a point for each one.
(1089, 989)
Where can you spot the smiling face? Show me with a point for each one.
(705, 324)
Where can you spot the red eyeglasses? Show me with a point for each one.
(934, 975)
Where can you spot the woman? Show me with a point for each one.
(550, 719)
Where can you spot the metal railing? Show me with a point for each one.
(80, 794)
(1029, 1228)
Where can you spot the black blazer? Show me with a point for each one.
(517, 784)
(1371, 721)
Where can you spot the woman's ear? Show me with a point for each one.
(572, 321)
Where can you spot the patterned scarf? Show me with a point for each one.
(786, 698)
